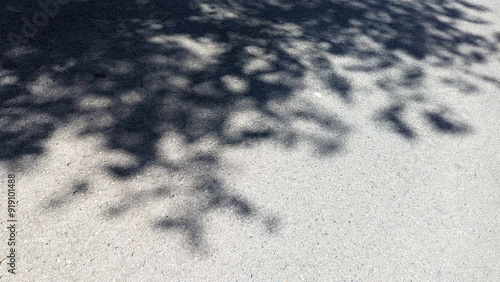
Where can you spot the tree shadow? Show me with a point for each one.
(146, 73)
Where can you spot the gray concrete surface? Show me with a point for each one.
(228, 141)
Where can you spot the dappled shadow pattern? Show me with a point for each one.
(154, 75)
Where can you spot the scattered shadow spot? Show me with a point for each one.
(189, 227)
(413, 77)
(490, 79)
(136, 199)
(327, 148)
(82, 187)
(461, 84)
(205, 159)
(477, 57)
(393, 117)
(79, 188)
(472, 6)
(123, 172)
(272, 224)
(443, 124)
(497, 36)
(241, 206)
(212, 191)
(322, 63)
(418, 98)
(341, 86)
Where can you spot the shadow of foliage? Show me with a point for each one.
(142, 72)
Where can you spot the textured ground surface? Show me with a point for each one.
(222, 140)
